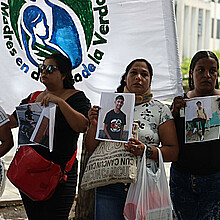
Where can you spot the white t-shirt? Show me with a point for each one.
(201, 113)
(3, 117)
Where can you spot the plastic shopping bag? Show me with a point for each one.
(2, 177)
(148, 198)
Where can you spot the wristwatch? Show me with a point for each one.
(149, 152)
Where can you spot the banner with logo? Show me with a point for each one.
(101, 37)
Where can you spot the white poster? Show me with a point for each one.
(116, 117)
(36, 124)
(101, 37)
(202, 119)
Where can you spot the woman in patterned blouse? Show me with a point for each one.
(156, 126)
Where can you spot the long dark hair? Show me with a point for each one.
(199, 55)
(65, 67)
(123, 83)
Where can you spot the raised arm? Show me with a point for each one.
(13, 121)
(90, 141)
(6, 139)
(177, 104)
(77, 121)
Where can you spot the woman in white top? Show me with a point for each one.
(156, 125)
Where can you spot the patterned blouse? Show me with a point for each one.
(150, 115)
(3, 117)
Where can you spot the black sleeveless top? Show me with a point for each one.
(65, 138)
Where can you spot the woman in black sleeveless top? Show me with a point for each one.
(195, 176)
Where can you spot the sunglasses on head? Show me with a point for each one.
(49, 69)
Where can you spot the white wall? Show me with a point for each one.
(194, 26)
